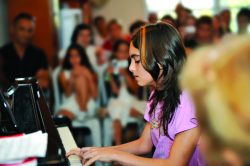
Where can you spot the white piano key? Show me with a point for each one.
(69, 143)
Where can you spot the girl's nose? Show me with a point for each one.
(132, 66)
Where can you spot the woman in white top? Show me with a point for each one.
(78, 84)
(83, 36)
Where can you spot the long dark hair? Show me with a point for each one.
(84, 58)
(161, 44)
(78, 29)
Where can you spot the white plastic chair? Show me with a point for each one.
(107, 122)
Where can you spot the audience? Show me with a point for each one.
(83, 36)
(204, 31)
(135, 26)
(20, 58)
(243, 20)
(217, 28)
(78, 85)
(225, 17)
(115, 33)
(101, 30)
(182, 13)
(169, 19)
(152, 18)
(188, 31)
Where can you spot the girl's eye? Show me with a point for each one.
(137, 61)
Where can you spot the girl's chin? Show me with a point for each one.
(141, 83)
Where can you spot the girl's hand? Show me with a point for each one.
(90, 155)
(75, 151)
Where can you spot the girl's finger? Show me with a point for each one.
(75, 151)
(88, 155)
(91, 161)
(83, 150)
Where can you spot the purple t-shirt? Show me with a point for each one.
(183, 119)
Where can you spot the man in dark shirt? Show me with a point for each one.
(19, 57)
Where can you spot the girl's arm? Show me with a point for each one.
(140, 146)
(180, 154)
(66, 84)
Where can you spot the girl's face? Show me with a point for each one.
(74, 59)
(84, 38)
(142, 77)
(123, 52)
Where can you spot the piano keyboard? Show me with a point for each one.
(69, 143)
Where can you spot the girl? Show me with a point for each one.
(83, 36)
(157, 56)
(78, 85)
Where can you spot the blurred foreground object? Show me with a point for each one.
(218, 78)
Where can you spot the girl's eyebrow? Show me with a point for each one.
(134, 55)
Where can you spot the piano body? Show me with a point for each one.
(31, 113)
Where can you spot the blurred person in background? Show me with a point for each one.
(122, 90)
(20, 58)
(83, 36)
(218, 78)
(204, 31)
(135, 26)
(152, 18)
(169, 19)
(243, 20)
(86, 11)
(78, 85)
(188, 31)
(101, 31)
(182, 13)
(217, 28)
(225, 17)
(115, 33)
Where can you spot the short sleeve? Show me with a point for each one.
(185, 118)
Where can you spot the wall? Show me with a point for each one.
(126, 11)
(3, 21)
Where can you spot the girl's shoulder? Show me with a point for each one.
(184, 117)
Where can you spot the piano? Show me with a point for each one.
(31, 113)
